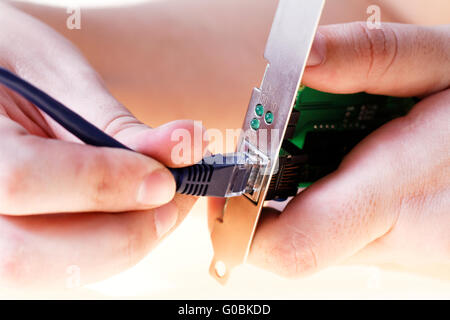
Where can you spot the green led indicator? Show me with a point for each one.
(269, 117)
(255, 124)
(259, 110)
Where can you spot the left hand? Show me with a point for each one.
(63, 203)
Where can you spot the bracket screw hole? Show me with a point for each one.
(221, 269)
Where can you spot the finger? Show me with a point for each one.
(49, 176)
(13, 109)
(399, 60)
(65, 75)
(69, 250)
(317, 229)
(175, 144)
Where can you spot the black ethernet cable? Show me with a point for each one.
(216, 176)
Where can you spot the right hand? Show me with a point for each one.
(389, 201)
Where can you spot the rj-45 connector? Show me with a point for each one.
(219, 176)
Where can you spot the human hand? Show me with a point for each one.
(389, 201)
(63, 203)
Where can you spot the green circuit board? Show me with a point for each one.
(324, 128)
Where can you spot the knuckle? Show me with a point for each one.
(118, 123)
(111, 177)
(295, 255)
(378, 46)
(99, 170)
(102, 176)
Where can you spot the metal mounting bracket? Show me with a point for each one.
(287, 51)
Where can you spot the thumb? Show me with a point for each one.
(341, 214)
(397, 59)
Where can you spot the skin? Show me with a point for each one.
(176, 55)
(388, 203)
(193, 70)
(59, 197)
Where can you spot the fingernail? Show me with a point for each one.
(318, 51)
(157, 188)
(165, 219)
